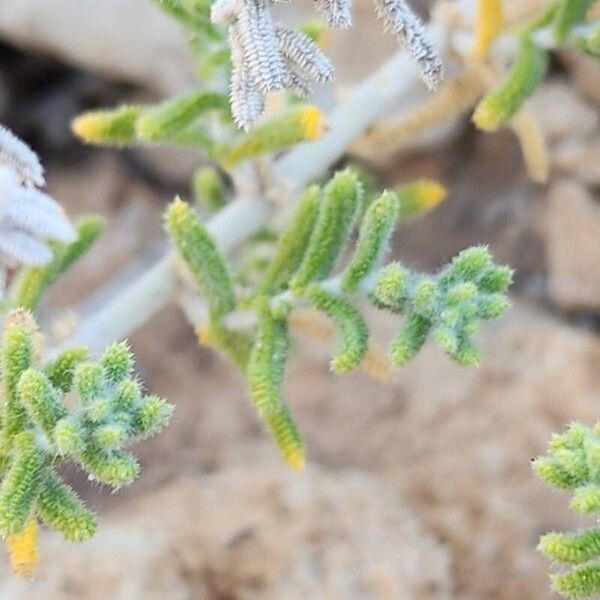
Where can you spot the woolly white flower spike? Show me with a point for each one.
(268, 57)
(224, 11)
(407, 27)
(247, 101)
(296, 82)
(258, 42)
(20, 195)
(299, 50)
(17, 154)
(32, 211)
(40, 223)
(337, 13)
(19, 248)
(28, 219)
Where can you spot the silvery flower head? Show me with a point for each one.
(29, 218)
(268, 56)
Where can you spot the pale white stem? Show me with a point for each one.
(133, 307)
(152, 290)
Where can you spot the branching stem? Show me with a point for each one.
(243, 320)
(151, 291)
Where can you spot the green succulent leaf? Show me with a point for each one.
(266, 368)
(340, 206)
(20, 486)
(42, 401)
(108, 127)
(501, 103)
(581, 582)
(200, 253)
(292, 243)
(61, 370)
(209, 189)
(170, 118)
(375, 232)
(568, 14)
(353, 331)
(17, 356)
(574, 548)
(60, 508)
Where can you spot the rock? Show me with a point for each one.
(253, 533)
(580, 158)
(454, 442)
(135, 41)
(131, 40)
(561, 112)
(573, 252)
(585, 72)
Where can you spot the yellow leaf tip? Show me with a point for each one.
(177, 207)
(178, 202)
(205, 335)
(23, 550)
(313, 124)
(89, 126)
(430, 194)
(296, 460)
(485, 119)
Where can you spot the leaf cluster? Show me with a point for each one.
(65, 410)
(572, 463)
(330, 257)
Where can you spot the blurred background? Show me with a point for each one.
(417, 489)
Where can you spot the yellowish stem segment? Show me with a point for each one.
(533, 145)
(455, 97)
(490, 20)
(310, 323)
(376, 364)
